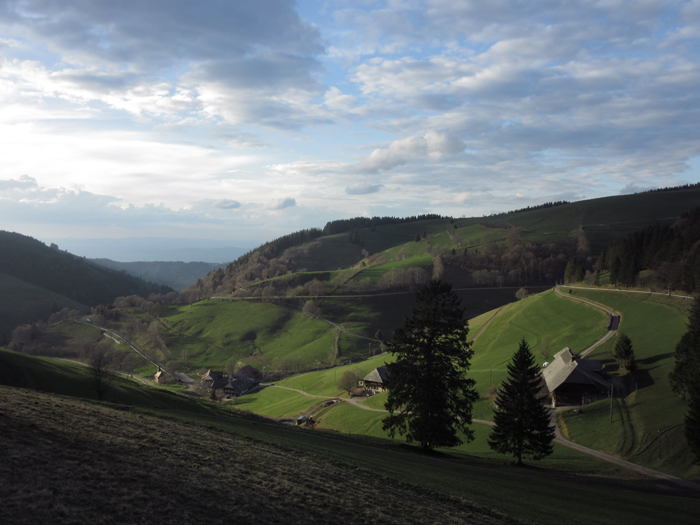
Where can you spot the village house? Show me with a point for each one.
(571, 380)
(375, 381)
(235, 386)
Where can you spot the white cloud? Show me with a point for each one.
(433, 145)
(363, 189)
(281, 204)
(227, 204)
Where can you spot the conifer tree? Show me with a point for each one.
(685, 378)
(623, 351)
(692, 422)
(430, 398)
(522, 422)
(687, 356)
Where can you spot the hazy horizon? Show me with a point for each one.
(250, 120)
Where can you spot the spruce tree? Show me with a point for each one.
(692, 422)
(430, 398)
(686, 370)
(623, 351)
(685, 378)
(522, 422)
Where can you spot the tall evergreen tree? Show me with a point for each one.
(692, 422)
(624, 352)
(686, 370)
(430, 398)
(522, 421)
(685, 377)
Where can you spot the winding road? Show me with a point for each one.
(615, 320)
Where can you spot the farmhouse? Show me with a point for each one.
(375, 381)
(569, 379)
(231, 386)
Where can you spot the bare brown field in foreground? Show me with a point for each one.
(68, 461)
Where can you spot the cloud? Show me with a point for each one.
(227, 204)
(281, 204)
(158, 58)
(363, 189)
(23, 183)
(433, 145)
(633, 188)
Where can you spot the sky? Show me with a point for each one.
(247, 120)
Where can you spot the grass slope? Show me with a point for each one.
(23, 302)
(168, 463)
(647, 411)
(154, 466)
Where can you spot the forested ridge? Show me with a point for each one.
(671, 251)
(32, 261)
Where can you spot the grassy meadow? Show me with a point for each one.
(159, 464)
(647, 412)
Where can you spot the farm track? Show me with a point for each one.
(628, 429)
(560, 439)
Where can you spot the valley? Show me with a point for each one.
(304, 314)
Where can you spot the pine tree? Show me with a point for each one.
(692, 422)
(685, 378)
(522, 422)
(687, 356)
(430, 398)
(623, 351)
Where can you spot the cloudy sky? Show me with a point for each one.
(246, 120)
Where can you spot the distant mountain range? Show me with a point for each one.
(177, 275)
(130, 249)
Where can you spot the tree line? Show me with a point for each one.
(670, 250)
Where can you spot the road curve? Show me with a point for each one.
(615, 320)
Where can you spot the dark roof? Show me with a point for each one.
(248, 371)
(213, 375)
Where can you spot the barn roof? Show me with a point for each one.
(566, 368)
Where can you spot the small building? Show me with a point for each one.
(570, 379)
(376, 381)
(159, 377)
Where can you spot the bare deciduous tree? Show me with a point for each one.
(99, 362)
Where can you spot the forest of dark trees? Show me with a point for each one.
(32, 261)
(671, 251)
(357, 223)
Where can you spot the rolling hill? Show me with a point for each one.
(157, 456)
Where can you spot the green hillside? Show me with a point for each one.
(22, 302)
(158, 459)
(647, 412)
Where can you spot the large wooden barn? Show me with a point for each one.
(571, 380)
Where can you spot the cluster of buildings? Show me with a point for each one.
(237, 385)
(568, 380)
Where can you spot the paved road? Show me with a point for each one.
(613, 325)
(615, 321)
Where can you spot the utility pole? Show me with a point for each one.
(612, 394)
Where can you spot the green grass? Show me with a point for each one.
(74, 380)
(565, 322)
(604, 219)
(253, 332)
(655, 325)
(161, 466)
(277, 402)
